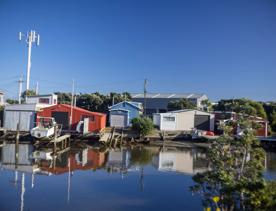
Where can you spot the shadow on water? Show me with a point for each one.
(160, 171)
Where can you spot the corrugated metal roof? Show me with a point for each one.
(168, 95)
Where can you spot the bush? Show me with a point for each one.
(143, 125)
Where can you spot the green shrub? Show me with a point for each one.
(143, 125)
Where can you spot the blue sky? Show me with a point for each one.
(222, 48)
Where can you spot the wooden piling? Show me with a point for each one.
(17, 144)
(122, 134)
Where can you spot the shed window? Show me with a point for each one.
(91, 118)
(44, 100)
(169, 118)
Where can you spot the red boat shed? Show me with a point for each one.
(61, 113)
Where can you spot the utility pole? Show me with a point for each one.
(145, 96)
(72, 103)
(31, 37)
(36, 88)
(20, 82)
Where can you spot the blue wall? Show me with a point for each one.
(133, 111)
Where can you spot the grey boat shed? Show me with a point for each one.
(158, 102)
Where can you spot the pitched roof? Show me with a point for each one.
(134, 104)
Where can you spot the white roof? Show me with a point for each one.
(26, 107)
(168, 95)
(187, 110)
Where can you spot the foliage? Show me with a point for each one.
(273, 121)
(143, 125)
(27, 93)
(242, 105)
(64, 98)
(270, 109)
(236, 174)
(207, 105)
(11, 101)
(140, 156)
(181, 104)
(94, 101)
(100, 103)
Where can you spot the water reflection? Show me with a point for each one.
(270, 165)
(188, 161)
(27, 161)
(180, 160)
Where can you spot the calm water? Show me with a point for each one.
(84, 178)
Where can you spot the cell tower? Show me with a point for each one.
(31, 37)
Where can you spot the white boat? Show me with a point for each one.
(45, 128)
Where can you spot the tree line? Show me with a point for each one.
(94, 101)
(99, 102)
(243, 106)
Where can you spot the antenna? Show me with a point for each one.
(31, 37)
(38, 39)
(20, 36)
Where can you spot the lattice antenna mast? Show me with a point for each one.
(31, 37)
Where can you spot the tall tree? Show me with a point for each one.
(242, 105)
(28, 93)
(64, 98)
(235, 181)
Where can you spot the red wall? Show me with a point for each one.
(94, 126)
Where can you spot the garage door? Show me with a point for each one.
(202, 122)
(1, 118)
(61, 118)
(118, 120)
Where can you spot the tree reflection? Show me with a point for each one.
(140, 156)
(236, 181)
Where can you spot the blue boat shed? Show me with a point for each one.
(121, 114)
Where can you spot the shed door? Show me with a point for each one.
(202, 122)
(61, 118)
(1, 118)
(118, 120)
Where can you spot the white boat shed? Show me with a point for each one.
(25, 114)
(184, 120)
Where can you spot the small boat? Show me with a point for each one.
(199, 134)
(45, 128)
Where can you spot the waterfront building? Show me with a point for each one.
(158, 102)
(184, 120)
(2, 100)
(25, 114)
(92, 121)
(121, 114)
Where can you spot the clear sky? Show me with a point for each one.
(223, 48)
